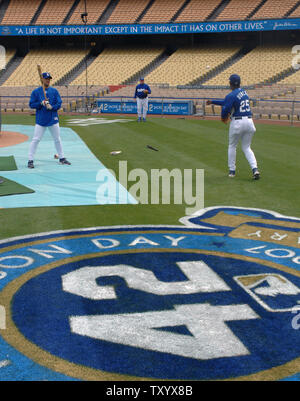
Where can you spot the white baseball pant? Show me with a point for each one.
(37, 136)
(142, 106)
(242, 129)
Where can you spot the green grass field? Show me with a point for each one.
(184, 144)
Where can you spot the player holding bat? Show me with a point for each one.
(46, 101)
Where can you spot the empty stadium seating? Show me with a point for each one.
(127, 11)
(185, 66)
(9, 54)
(115, 65)
(54, 12)
(188, 64)
(197, 10)
(274, 9)
(57, 62)
(162, 11)
(20, 12)
(258, 66)
(295, 13)
(95, 9)
(293, 79)
(237, 10)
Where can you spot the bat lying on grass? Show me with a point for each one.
(152, 148)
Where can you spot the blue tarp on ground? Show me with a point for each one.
(61, 185)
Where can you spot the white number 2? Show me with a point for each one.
(244, 106)
(211, 337)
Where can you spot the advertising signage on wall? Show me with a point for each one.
(151, 29)
(155, 107)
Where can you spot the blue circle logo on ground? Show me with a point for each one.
(217, 298)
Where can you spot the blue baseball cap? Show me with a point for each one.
(235, 79)
(142, 79)
(46, 75)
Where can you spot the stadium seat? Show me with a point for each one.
(115, 65)
(54, 12)
(293, 79)
(57, 62)
(127, 11)
(20, 12)
(237, 10)
(9, 54)
(188, 64)
(95, 10)
(197, 10)
(162, 11)
(274, 9)
(295, 13)
(258, 66)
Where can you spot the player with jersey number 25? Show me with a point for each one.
(236, 106)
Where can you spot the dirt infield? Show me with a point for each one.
(9, 138)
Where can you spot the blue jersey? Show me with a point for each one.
(139, 91)
(44, 116)
(236, 103)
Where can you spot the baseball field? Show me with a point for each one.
(168, 295)
(181, 143)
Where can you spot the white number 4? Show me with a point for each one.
(210, 336)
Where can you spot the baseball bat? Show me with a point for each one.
(152, 148)
(41, 78)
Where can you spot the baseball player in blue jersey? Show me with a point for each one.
(236, 106)
(142, 91)
(46, 117)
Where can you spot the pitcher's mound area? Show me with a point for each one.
(9, 138)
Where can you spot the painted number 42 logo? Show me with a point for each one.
(211, 337)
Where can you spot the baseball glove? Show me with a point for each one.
(225, 120)
(146, 91)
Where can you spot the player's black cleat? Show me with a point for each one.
(231, 174)
(30, 164)
(256, 174)
(64, 161)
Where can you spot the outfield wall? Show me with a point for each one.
(285, 105)
(155, 106)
